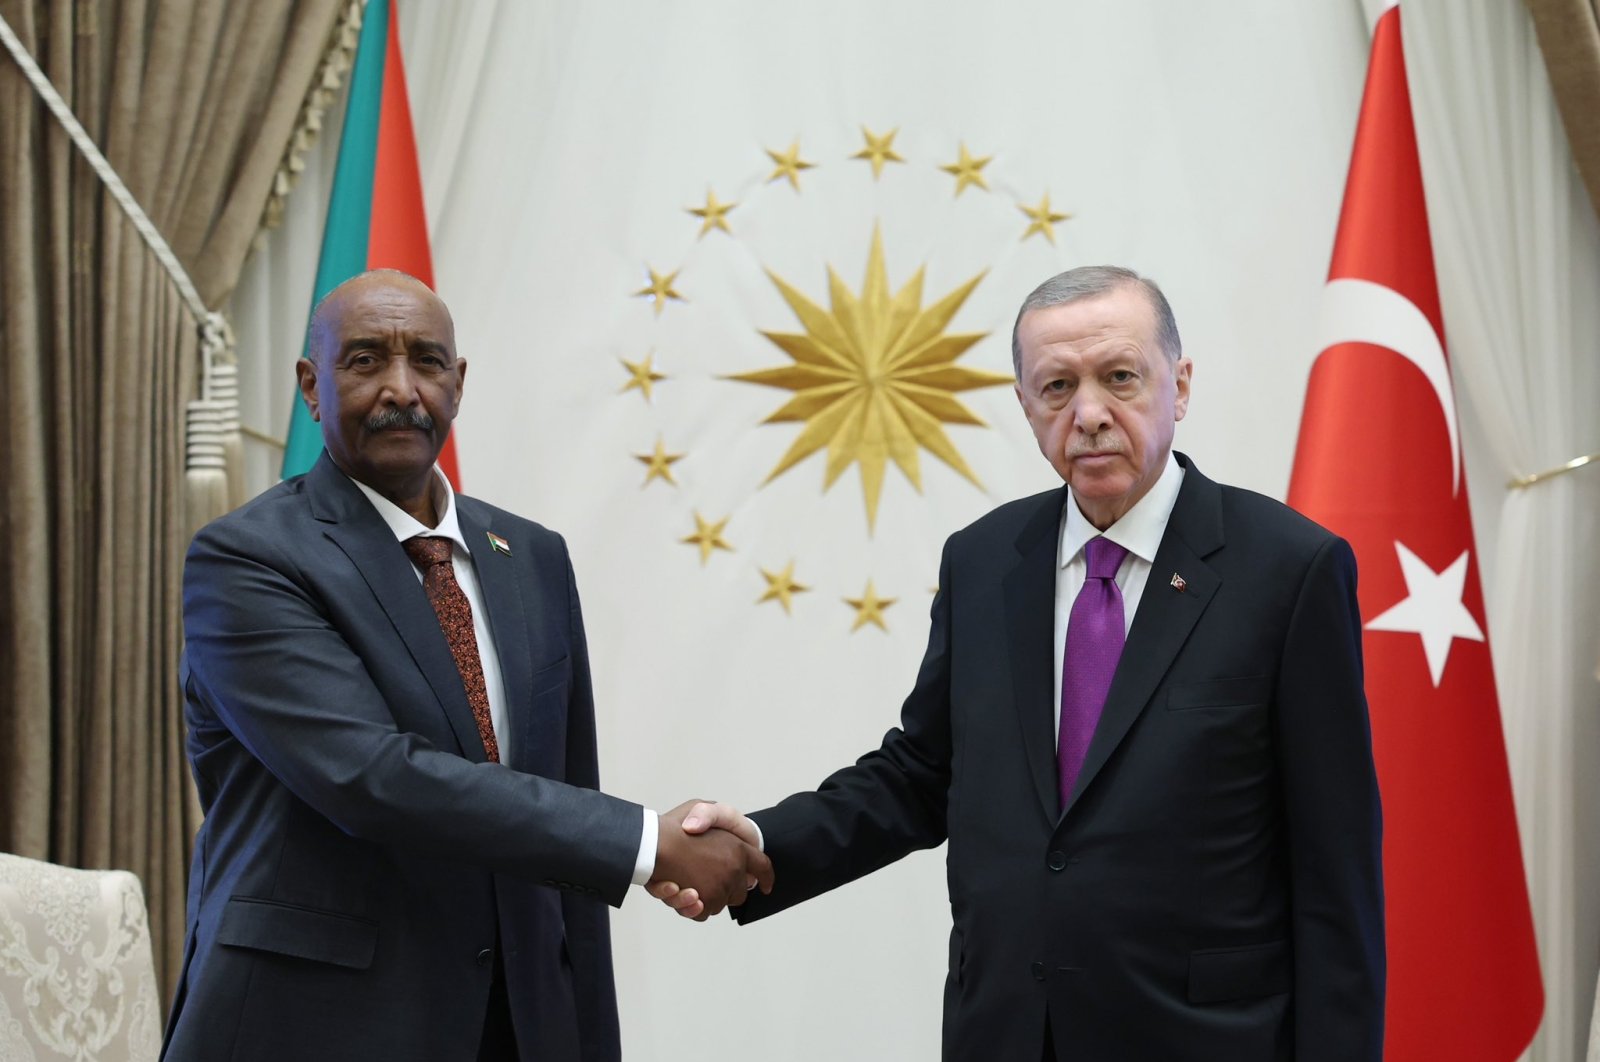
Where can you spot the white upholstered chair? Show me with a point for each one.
(76, 976)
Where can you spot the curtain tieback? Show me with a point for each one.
(1550, 473)
(214, 418)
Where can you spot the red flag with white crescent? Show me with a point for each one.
(1379, 462)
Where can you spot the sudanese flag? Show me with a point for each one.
(375, 215)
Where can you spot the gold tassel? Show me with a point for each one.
(205, 476)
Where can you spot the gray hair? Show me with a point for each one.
(1087, 282)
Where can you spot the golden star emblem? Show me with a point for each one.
(874, 378)
(968, 170)
(713, 215)
(869, 608)
(789, 164)
(879, 149)
(781, 586)
(660, 288)
(641, 375)
(1042, 220)
(708, 536)
(658, 465)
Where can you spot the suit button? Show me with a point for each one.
(1057, 861)
(1038, 971)
(485, 957)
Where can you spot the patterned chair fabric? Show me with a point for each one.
(77, 980)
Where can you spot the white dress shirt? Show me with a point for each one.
(1139, 532)
(404, 526)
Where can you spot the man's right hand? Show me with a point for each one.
(715, 867)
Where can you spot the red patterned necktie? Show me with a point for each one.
(450, 604)
(1094, 645)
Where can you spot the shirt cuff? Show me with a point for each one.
(644, 868)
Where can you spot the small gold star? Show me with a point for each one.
(713, 215)
(968, 170)
(879, 149)
(660, 288)
(789, 165)
(869, 608)
(641, 374)
(781, 587)
(658, 465)
(1041, 219)
(708, 536)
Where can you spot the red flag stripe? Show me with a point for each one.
(398, 238)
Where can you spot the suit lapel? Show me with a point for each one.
(1166, 616)
(502, 597)
(357, 529)
(1030, 589)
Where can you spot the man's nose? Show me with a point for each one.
(400, 383)
(1090, 413)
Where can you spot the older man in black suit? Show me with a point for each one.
(1140, 725)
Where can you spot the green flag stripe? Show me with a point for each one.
(344, 234)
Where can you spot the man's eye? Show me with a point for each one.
(1055, 386)
(1122, 376)
(364, 359)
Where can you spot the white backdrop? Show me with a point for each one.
(560, 147)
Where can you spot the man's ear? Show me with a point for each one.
(305, 374)
(1182, 374)
(461, 383)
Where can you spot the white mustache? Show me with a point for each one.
(1092, 446)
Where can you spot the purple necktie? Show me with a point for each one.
(1094, 645)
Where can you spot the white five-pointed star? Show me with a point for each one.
(1432, 608)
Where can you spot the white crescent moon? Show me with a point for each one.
(1359, 311)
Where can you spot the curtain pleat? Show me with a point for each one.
(1569, 39)
(194, 103)
(1517, 247)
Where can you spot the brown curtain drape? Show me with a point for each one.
(193, 102)
(1569, 38)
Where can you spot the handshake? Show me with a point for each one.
(708, 857)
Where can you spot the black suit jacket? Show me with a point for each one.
(1213, 888)
(360, 861)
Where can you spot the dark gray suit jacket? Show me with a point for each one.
(1213, 888)
(360, 860)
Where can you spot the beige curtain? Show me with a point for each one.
(194, 103)
(1569, 37)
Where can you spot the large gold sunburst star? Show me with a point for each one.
(874, 377)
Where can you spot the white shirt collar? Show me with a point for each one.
(1140, 529)
(405, 526)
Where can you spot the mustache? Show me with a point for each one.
(392, 418)
(1095, 446)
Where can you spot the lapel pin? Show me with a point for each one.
(1177, 581)
(500, 545)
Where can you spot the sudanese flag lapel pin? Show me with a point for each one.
(500, 545)
(1177, 580)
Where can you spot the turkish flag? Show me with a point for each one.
(1379, 463)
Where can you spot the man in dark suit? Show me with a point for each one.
(405, 854)
(1140, 725)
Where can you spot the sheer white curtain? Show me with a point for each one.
(268, 308)
(1517, 248)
